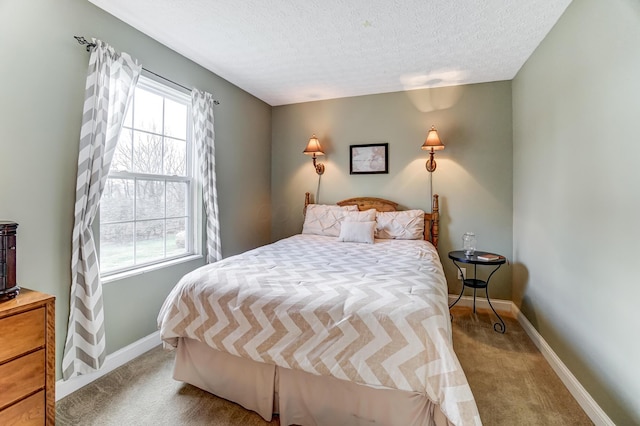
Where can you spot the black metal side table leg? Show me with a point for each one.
(461, 291)
(459, 297)
(500, 327)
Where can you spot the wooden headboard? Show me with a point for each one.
(431, 220)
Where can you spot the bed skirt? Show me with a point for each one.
(300, 398)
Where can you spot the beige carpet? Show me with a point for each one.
(511, 381)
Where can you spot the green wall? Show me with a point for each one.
(474, 171)
(43, 75)
(576, 105)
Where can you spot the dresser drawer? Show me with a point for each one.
(28, 412)
(21, 333)
(21, 377)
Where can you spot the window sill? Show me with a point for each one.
(144, 269)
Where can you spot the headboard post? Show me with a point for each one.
(435, 218)
(307, 201)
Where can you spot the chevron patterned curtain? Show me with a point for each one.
(204, 136)
(111, 80)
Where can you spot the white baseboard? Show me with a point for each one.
(588, 404)
(112, 361)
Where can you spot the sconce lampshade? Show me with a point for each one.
(433, 142)
(313, 147)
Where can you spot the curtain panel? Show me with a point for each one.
(111, 80)
(202, 104)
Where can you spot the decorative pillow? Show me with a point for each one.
(322, 219)
(363, 216)
(357, 232)
(404, 225)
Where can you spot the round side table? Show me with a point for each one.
(497, 260)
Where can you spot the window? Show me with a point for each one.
(146, 210)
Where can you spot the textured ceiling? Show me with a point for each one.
(288, 51)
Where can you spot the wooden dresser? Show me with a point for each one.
(27, 359)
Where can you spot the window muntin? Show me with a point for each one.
(147, 207)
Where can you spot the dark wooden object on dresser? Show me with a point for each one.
(8, 286)
(27, 359)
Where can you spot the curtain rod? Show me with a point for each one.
(83, 41)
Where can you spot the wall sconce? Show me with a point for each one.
(314, 148)
(431, 144)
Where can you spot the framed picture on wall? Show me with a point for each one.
(369, 159)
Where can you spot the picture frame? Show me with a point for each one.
(369, 159)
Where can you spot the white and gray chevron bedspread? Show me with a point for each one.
(374, 314)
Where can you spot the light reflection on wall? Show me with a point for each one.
(445, 91)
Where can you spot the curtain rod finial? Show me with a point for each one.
(83, 41)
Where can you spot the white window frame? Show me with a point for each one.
(193, 239)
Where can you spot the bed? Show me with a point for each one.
(324, 331)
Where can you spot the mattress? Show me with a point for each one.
(370, 314)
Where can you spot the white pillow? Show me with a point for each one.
(404, 225)
(322, 219)
(357, 232)
(363, 216)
